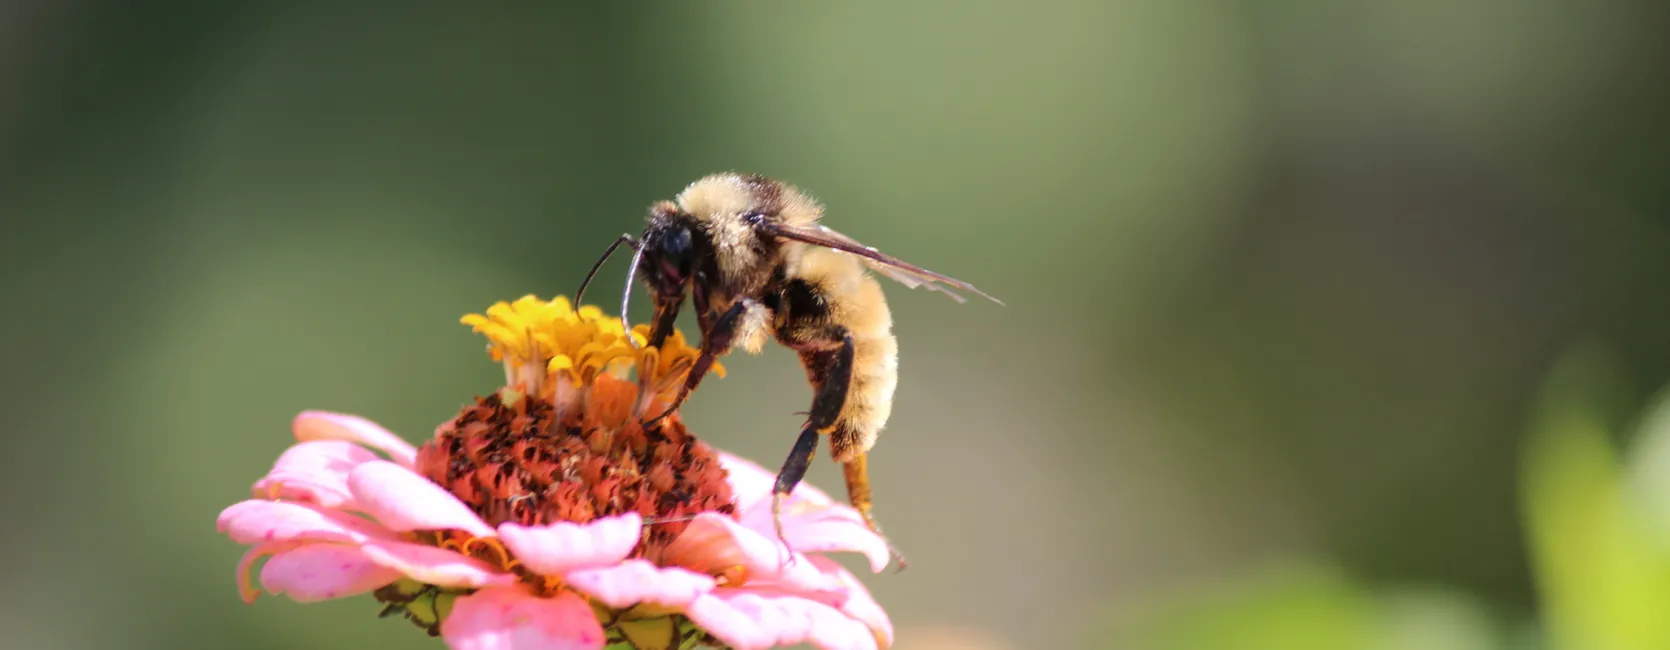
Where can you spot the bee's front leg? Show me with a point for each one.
(715, 341)
(666, 313)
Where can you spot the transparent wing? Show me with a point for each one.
(903, 272)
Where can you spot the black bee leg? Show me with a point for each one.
(666, 312)
(716, 341)
(699, 300)
(831, 373)
(794, 469)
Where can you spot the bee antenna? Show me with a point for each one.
(626, 293)
(623, 239)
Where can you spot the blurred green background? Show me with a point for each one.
(1289, 287)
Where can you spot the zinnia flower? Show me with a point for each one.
(546, 516)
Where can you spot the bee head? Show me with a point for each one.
(669, 247)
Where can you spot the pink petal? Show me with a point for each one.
(713, 543)
(752, 485)
(315, 471)
(316, 572)
(509, 619)
(747, 619)
(322, 425)
(639, 581)
(812, 521)
(859, 604)
(826, 528)
(434, 565)
(557, 548)
(253, 522)
(403, 501)
(245, 589)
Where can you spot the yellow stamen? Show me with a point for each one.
(505, 560)
(468, 546)
(732, 576)
(539, 341)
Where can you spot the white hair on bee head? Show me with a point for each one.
(722, 206)
(728, 196)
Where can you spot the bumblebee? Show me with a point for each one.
(756, 264)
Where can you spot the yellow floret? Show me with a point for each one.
(577, 344)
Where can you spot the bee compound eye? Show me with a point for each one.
(677, 242)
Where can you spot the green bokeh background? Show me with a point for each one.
(1283, 278)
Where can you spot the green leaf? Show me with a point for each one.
(1604, 584)
(1649, 467)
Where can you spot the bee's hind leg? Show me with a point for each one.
(857, 473)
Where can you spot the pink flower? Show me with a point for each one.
(333, 519)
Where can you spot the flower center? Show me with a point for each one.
(564, 441)
(514, 459)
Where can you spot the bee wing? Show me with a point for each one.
(903, 272)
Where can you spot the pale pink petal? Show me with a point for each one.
(314, 471)
(713, 544)
(435, 565)
(746, 619)
(322, 425)
(557, 548)
(812, 521)
(751, 484)
(403, 501)
(638, 581)
(509, 619)
(252, 522)
(318, 572)
(827, 528)
(245, 589)
(859, 604)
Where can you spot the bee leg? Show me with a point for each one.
(857, 473)
(716, 341)
(794, 469)
(666, 312)
(831, 373)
